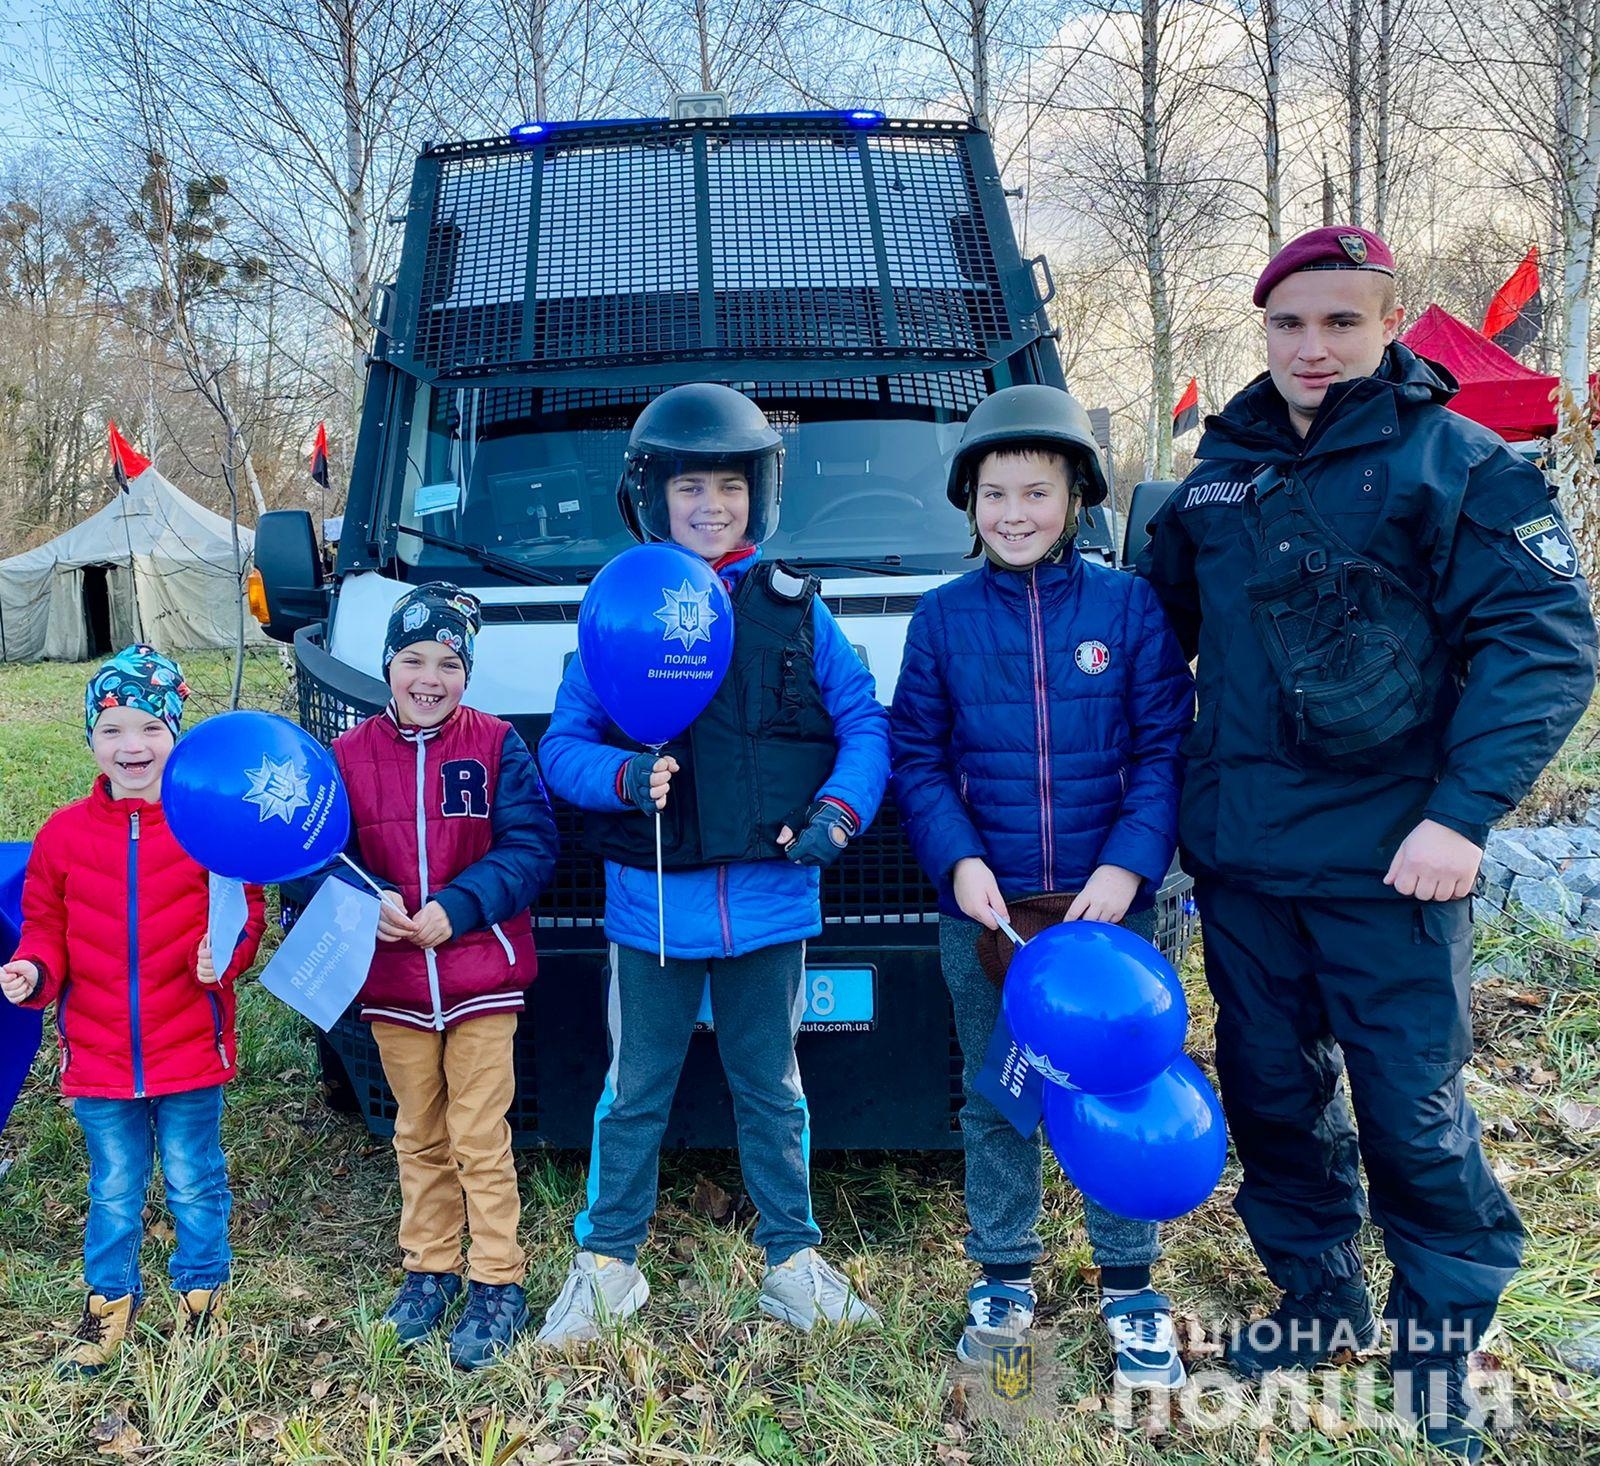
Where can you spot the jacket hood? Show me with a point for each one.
(1255, 424)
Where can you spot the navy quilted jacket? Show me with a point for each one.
(1036, 725)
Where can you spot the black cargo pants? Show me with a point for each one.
(1300, 982)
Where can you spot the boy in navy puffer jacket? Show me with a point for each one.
(787, 763)
(1035, 735)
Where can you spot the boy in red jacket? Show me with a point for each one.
(447, 810)
(114, 920)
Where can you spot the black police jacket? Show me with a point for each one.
(755, 758)
(1470, 526)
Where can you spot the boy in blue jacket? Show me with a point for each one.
(767, 787)
(1035, 735)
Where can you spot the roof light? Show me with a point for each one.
(863, 118)
(528, 132)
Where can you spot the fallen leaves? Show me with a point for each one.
(1579, 1115)
(113, 1434)
(710, 1200)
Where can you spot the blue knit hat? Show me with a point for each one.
(437, 611)
(137, 677)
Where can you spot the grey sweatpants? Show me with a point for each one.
(1005, 1171)
(757, 1002)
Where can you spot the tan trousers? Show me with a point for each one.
(454, 1145)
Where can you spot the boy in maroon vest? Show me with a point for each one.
(448, 811)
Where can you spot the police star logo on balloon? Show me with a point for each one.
(686, 615)
(277, 789)
(1547, 540)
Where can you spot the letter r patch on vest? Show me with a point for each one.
(466, 789)
(1547, 540)
(1092, 657)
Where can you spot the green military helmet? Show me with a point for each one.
(1031, 416)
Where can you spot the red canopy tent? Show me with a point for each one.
(1496, 389)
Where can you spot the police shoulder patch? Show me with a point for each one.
(1547, 540)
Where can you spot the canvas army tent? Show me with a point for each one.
(151, 566)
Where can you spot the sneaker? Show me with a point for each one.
(999, 1316)
(99, 1334)
(420, 1305)
(202, 1312)
(803, 1291)
(1143, 1341)
(1433, 1391)
(598, 1290)
(1305, 1330)
(495, 1314)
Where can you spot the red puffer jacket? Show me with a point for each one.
(113, 912)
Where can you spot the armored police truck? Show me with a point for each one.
(858, 277)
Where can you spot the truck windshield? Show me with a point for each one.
(542, 489)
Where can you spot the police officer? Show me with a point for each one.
(1393, 640)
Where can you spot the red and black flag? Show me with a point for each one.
(319, 455)
(125, 463)
(1516, 314)
(1186, 415)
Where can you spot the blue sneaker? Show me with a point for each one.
(421, 1304)
(495, 1314)
(1143, 1341)
(999, 1316)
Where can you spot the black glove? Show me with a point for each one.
(633, 783)
(815, 841)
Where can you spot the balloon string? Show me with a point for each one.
(661, 903)
(381, 894)
(1006, 927)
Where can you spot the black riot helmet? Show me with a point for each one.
(702, 425)
(1023, 418)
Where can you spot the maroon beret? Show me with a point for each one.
(1337, 247)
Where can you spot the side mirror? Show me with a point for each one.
(292, 591)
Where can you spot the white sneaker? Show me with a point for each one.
(804, 1290)
(1143, 1341)
(598, 1291)
(999, 1316)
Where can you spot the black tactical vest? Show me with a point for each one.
(1358, 659)
(755, 758)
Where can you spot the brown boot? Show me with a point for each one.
(202, 1313)
(99, 1334)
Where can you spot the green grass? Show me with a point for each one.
(699, 1376)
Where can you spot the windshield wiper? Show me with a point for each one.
(888, 565)
(489, 559)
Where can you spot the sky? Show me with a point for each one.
(22, 32)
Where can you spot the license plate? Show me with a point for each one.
(838, 1000)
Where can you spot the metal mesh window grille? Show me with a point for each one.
(664, 242)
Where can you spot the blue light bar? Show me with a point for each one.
(863, 118)
(527, 132)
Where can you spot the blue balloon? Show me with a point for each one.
(20, 1028)
(255, 798)
(1152, 1154)
(1094, 1007)
(655, 636)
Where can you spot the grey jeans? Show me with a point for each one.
(1005, 1170)
(757, 1002)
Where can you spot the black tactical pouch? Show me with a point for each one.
(1358, 659)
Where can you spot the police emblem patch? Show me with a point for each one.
(1354, 246)
(1092, 657)
(1012, 1378)
(1547, 540)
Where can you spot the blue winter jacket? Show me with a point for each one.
(725, 910)
(1036, 725)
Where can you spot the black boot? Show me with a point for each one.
(1305, 1330)
(1431, 1390)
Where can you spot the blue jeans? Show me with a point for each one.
(123, 1136)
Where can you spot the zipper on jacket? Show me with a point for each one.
(428, 957)
(61, 1026)
(216, 1027)
(722, 911)
(505, 944)
(1041, 720)
(133, 955)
